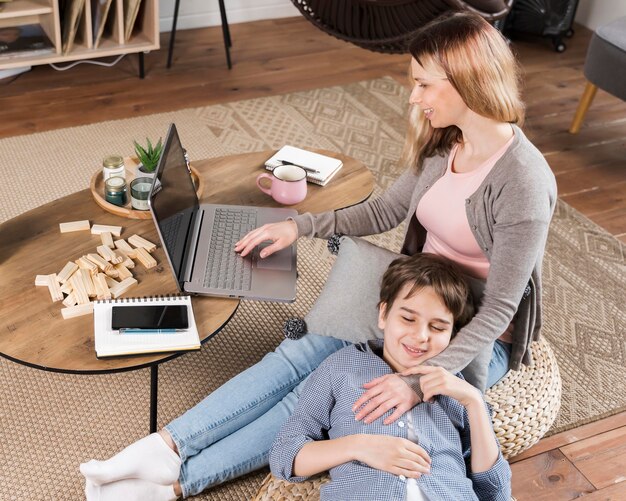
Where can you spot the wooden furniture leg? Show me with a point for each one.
(583, 106)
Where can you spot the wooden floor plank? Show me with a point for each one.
(616, 492)
(601, 458)
(548, 477)
(574, 435)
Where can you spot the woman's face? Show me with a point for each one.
(435, 95)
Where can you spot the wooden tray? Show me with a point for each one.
(97, 190)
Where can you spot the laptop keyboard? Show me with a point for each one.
(225, 268)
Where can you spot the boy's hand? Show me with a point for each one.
(438, 381)
(394, 455)
(384, 393)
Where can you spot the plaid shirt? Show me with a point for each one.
(324, 412)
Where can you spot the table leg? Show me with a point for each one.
(154, 386)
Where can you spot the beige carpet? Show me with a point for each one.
(51, 422)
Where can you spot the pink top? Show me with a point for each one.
(442, 212)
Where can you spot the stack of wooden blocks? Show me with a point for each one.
(104, 274)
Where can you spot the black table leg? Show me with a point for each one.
(154, 386)
(225, 33)
(141, 66)
(170, 52)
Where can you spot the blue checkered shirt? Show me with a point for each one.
(324, 411)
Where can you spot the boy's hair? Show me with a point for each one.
(423, 270)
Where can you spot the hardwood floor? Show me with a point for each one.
(286, 55)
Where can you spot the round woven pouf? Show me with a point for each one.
(524, 403)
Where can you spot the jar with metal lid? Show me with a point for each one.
(113, 165)
(115, 191)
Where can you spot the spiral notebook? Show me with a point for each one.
(320, 168)
(111, 343)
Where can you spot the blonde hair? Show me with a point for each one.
(479, 64)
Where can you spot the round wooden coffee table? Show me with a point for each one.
(32, 330)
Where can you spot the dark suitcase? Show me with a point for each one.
(548, 18)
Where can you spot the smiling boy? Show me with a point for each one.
(444, 448)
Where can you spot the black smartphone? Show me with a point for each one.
(150, 317)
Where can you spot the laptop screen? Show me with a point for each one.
(174, 203)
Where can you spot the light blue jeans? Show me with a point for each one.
(230, 432)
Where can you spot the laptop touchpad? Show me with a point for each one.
(280, 260)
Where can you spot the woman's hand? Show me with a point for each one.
(394, 455)
(438, 381)
(281, 235)
(384, 393)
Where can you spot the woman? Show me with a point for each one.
(475, 190)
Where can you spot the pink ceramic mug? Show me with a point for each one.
(288, 184)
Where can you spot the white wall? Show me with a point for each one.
(199, 13)
(593, 13)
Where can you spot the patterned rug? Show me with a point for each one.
(49, 422)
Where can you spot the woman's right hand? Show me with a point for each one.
(394, 455)
(282, 235)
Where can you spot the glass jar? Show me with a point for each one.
(113, 165)
(115, 191)
(139, 192)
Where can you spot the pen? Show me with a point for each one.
(150, 331)
(308, 169)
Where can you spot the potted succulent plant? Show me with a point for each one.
(148, 157)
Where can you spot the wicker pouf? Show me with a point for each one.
(525, 404)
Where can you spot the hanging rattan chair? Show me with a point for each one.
(387, 25)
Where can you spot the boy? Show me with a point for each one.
(424, 299)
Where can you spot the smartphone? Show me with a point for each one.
(150, 317)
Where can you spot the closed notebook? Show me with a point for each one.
(326, 166)
(110, 343)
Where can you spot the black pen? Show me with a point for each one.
(308, 169)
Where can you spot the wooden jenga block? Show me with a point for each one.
(70, 300)
(66, 272)
(122, 287)
(84, 262)
(99, 261)
(77, 311)
(144, 258)
(126, 261)
(74, 226)
(141, 242)
(111, 282)
(80, 291)
(112, 272)
(122, 271)
(41, 280)
(53, 287)
(66, 288)
(97, 229)
(107, 239)
(108, 254)
(102, 288)
(88, 281)
(125, 248)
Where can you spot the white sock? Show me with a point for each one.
(92, 491)
(134, 489)
(148, 459)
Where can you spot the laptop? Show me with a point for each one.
(199, 239)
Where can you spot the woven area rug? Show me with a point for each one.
(49, 422)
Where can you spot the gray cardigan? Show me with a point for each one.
(509, 215)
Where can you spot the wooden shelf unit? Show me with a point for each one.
(145, 36)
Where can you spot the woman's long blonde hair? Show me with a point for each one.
(479, 64)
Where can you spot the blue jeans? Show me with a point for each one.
(499, 364)
(230, 432)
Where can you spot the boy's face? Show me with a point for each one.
(416, 328)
